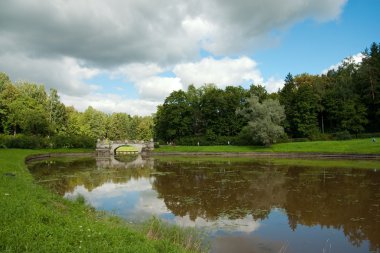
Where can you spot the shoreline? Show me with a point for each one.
(274, 155)
(36, 157)
(286, 155)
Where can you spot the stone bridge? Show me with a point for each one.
(108, 148)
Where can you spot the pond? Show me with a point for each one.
(244, 205)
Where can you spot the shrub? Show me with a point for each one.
(23, 141)
(38, 142)
(343, 135)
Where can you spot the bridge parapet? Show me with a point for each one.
(108, 148)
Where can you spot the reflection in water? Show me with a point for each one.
(247, 205)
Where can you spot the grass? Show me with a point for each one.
(189, 238)
(33, 219)
(357, 146)
(312, 163)
(126, 149)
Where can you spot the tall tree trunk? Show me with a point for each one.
(372, 87)
(323, 125)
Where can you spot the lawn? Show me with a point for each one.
(126, 149)
(294, 162)
(32, 219)
(357, 146)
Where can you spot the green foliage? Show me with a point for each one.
(27, 111)
(38, 142)
(33, 219)
(23, 141)
(118, 126)
(207, 140)
(344, 135)
(264, 120)
(357, 146)
(189, 238)
(206, 111)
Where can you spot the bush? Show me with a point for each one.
(38, 142)
(23, 141)
(207, 141)
(72, 141)
(368, 135)
(343, 135)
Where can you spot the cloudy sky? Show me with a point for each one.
(128, 55)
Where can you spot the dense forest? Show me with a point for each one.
(27, 111)
(341, 104)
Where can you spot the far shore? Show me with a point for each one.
(273, 155)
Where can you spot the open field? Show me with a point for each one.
(32, 219)
(359, 146)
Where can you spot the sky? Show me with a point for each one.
(129, 55)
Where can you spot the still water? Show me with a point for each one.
(244, 205)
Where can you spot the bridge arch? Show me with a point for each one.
(108, 148)
(130, 148)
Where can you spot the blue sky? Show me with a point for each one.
(311, 46)
(127, 56)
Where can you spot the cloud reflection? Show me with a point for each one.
(136, 200)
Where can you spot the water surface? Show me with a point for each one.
(243, 205)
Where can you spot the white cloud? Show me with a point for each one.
(136, 72)
(148, 204)
(66, 74)
(153, 88)
(357, 58)
(273, 84)
(112, 33)
(222, 72)
(157, 88)
(64, 44)
(111, 103)
(246, 224)
(145, 77)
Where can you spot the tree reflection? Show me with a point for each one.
(347, 199)
(344, 199)
(63, 176)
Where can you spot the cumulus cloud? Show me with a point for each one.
(274, 84)
(157, 88)
(222, 72)
(66, 73)
(147, 80)
(65, 43)
(111, 103)
(357, 58)
(110, 33)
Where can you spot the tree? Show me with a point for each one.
(93, 123)
(145, 129)
(57, 112)
(119, 126)
(300, 101)
(258, 91)
(4, 82)
(264, 120)
(286, 98)
(368, 85)
(28, 116)
(174, 118)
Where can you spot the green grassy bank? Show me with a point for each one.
(268, 161)
(358, 146)
(32, 219)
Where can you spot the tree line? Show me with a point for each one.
(342, 103)
(26, 109)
